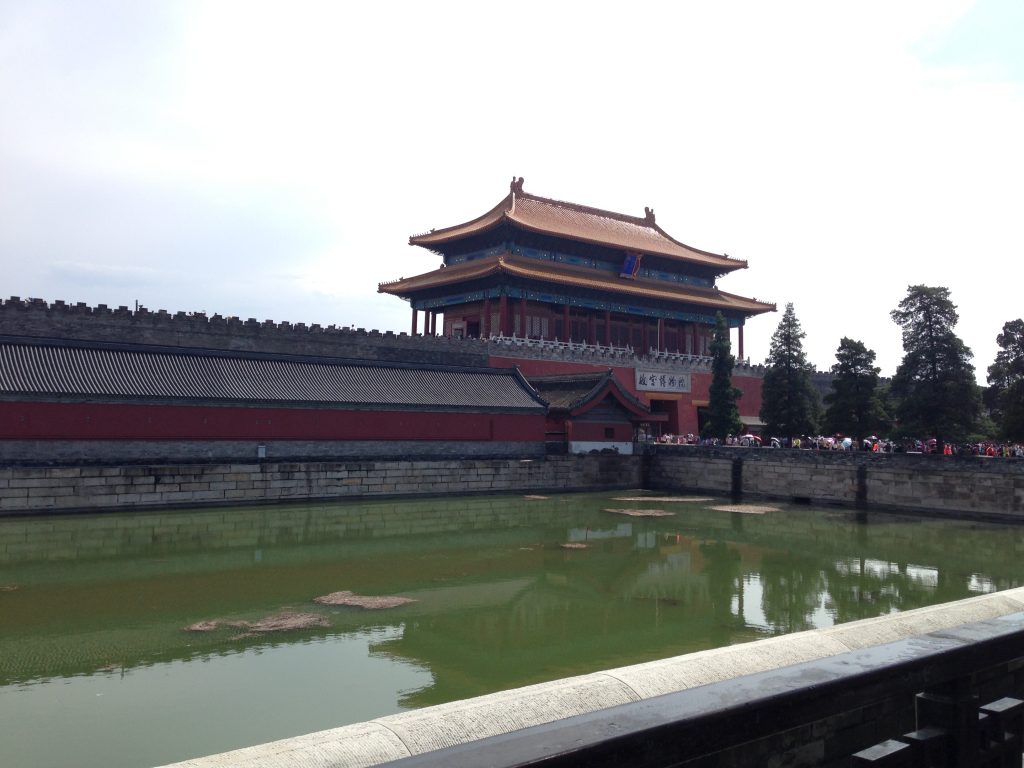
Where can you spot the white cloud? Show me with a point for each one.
(279, 155)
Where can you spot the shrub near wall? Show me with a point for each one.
(47, 489)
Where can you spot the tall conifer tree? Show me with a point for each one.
(1006, 380)
(789, 402)
(854, 405)
(723, 413)
(934, 386)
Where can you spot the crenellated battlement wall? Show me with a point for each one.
(37, 318)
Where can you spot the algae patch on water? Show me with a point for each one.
(377, 602)
(286, 621)
(641, 512)
(664, 499)
(746, 509)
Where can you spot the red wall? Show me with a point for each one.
(594, 432)
(108, 421)
(682, 412)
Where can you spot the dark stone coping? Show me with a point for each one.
(699, 722)
(840, 458)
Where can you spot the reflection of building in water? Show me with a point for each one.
(621, 531)
(496, 594)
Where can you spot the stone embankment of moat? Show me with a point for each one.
(971, 487)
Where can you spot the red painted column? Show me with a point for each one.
(608, 327)
(694, 347)
(592, 328)
(566, 329)
(414, 318)
(661, 333)
(503, 315)
(485, 319)
(524, 331)
(741, 343)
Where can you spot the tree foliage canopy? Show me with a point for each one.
(934, 386)
(1006, 381)
(854, 404)
(723, 412)
(789, 405)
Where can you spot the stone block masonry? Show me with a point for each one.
(112, 452)
(979, 487)
(34, 490)
(971, 487)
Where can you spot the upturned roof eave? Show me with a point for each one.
(493, 218)
(447, 275)
(713, 299)
(766, 306)
(728, 263)
(505, 264)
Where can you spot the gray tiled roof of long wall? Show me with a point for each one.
(41, 370)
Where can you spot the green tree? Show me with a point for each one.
(789, 402)
(723, 413)
(934, 386)
(1005, 395)
(854, 406)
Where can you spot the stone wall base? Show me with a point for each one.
(28, 490)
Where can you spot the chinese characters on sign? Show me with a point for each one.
(657, 381)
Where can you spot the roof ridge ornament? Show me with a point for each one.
(648, 214)
(517, 185)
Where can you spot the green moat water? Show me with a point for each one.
(97, 670)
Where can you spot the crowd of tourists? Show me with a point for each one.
(747, 441)
(881, 445)
(873, 443)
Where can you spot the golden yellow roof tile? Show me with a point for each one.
(580, 277)
(580, 223)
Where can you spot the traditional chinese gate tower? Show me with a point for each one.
(538, 268)
(566, 290)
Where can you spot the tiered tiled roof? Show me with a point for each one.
(571, 392)
(117, 372)
(581, 277)
(580, 223)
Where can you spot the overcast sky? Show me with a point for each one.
(270, 160)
